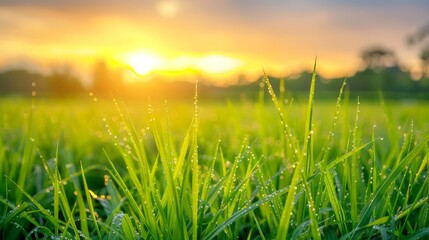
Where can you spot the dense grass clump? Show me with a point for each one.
(245, 169)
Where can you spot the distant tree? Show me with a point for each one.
(378, 58)
(424, 58)
(105, 80)
(420, 35)
(378, 61)
(21, 81)
(62, 82)
(421, 38)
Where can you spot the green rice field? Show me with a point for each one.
(272, 167)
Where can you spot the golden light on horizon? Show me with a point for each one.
(143, 63)
(217, 64)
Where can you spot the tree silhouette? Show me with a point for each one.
(20, 81)
(62, 82)
(424, 58)
(378, 58)
(105, 81)
(420, 38)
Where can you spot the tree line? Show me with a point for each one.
(390, 79)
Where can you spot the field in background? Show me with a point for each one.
(214, 169)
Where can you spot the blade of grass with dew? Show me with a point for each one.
(82, 212)
(268, 209)
(308, 131)
(27, 162)
(299, 231)
(240, 196)
(208, 177)
(39, 229)
(425, 221)
(115, 231)
(391, 132)
(314, 224)
(407, 211)
(146, 219)
(335, 203)
(135, 140)
(90, 204)
(374, 168)
(170, 196)
(306, 156)
(182, 154)
(229, 187)
(145, 172)
(415, 204)
(18, 212)
(385, 184)
(45, 212)
(60, 199)
(347, 155)
(127, 228)
(206, 186)
(66, 209)
(327, 177)
(287, 209)
(327, 148)
(195, 172)
(15, 212)
(331, 133)
(353, 179)
(54, 179)
(420, 234)
(27, 159)
(213, 234)
(3, 168)
(402, 154)
(291, 140)
(70, 221)
(230, 198)
(422, 167)
(145, 176)
(261, 233)
(334, 124)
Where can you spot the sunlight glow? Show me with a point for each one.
(216, 64)
(144, 63)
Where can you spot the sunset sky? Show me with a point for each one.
(217, 40)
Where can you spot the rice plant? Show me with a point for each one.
(263, 169)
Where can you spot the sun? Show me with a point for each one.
(144, 63)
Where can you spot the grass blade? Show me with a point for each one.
(288, 206)
(88, 194)
(385, 184)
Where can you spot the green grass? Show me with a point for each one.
(282, 168)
